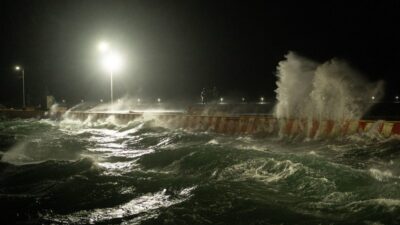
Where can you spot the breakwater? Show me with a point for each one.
(251, 124)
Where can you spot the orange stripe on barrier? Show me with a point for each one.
(329, 127)
(396, 128)
(296, 127)
(361, 125)
(289, 126)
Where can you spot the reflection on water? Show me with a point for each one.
(143, 204)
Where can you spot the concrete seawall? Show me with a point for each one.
(253, 124)
(235, 124)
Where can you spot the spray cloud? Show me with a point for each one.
(328, 91)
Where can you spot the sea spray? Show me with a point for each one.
(331, 90)
(315, 92)
(295, 78)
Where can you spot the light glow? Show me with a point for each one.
(17, 68)
(103, 46)
(112, 62)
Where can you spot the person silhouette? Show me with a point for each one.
(203, 96)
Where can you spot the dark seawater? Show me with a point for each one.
(69, 172)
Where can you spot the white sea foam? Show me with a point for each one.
(265, 170)
(381, 175)
(213, 142)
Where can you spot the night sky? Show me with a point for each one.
(174, 48)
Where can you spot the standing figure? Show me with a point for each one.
(203, 96)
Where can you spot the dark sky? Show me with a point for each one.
(174, 48)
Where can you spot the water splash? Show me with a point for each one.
(328, 91)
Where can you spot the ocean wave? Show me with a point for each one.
(381, 175)
(265, 170)
(144, 204)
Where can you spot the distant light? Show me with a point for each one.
(262, 99)
(373, 98)
(101, 100)
(112, 61)
(397, 97)
(63, 101)
(158, 99)
(243, 99)
(103, 46)
(221, 99)
(138, 100)
(17, 68)
(82, 100)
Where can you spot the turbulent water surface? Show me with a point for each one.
(69, 172)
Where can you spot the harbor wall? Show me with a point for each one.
(253, 124)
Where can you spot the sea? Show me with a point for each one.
(103, 172)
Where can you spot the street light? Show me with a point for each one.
(111, 62)
(19, 68)
(103, 46)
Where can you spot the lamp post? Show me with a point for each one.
(111, 61)
(19, 68)
(111, 86)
